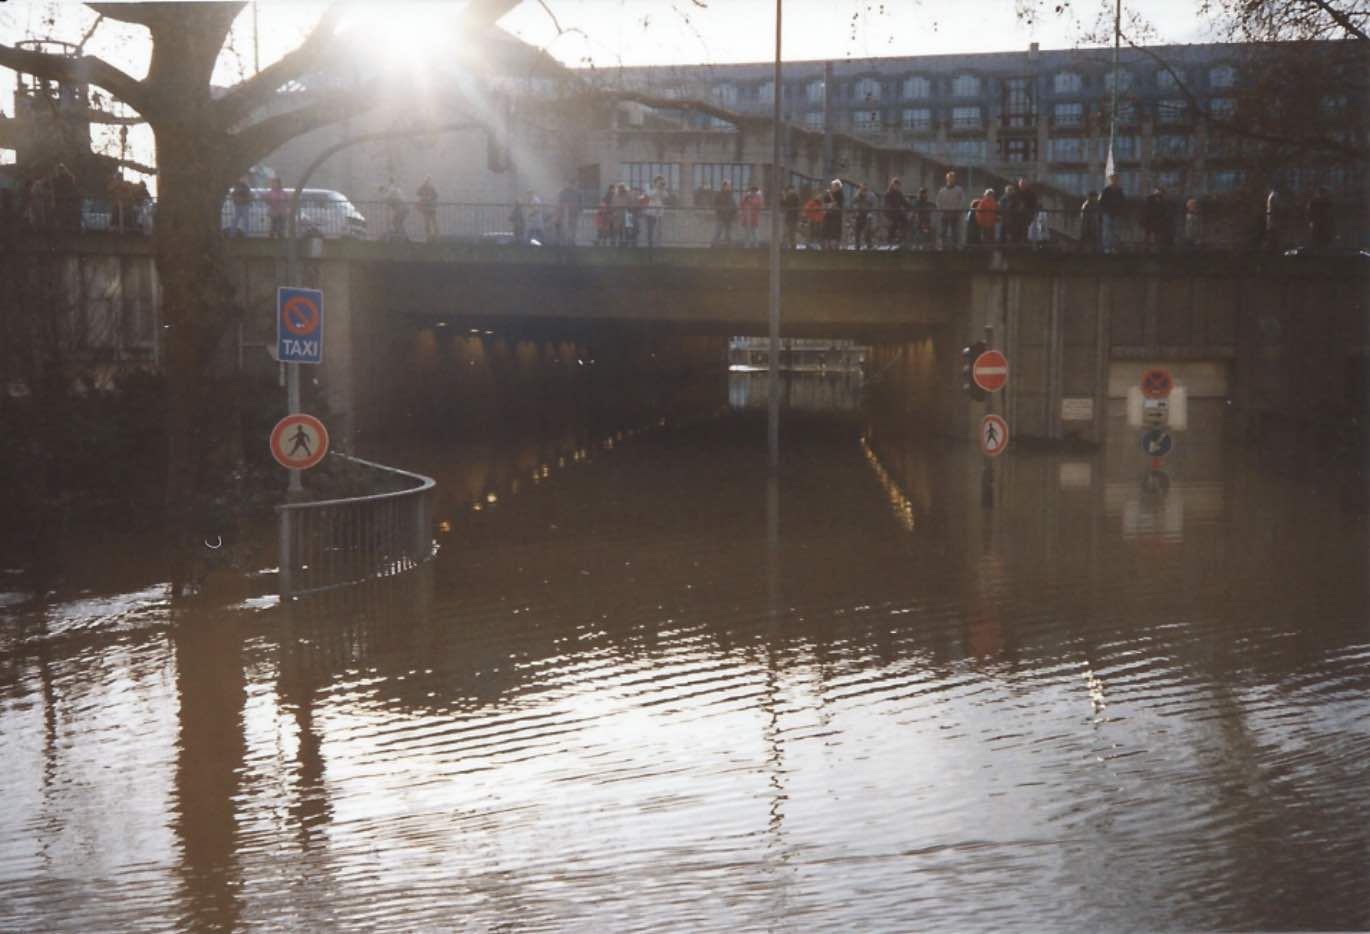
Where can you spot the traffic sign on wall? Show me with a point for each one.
(299, 325)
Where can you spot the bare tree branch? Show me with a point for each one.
(264, 137)
(1237, 128)
(85, 68)
(239, 103)
(1341, 19)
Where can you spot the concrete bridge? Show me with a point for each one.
(1287, 337)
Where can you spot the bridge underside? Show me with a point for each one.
(667, 292)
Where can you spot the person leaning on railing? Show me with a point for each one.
(896, 212)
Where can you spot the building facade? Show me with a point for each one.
(1046, 115)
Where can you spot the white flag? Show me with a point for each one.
(1109, 168)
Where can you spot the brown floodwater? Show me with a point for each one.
(643, 686)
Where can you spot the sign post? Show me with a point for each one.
(299, 339)
(989, 373)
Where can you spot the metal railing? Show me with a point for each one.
(1225, 227)
(333, 543)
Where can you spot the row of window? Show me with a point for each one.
(1068, 114)
(968, 85)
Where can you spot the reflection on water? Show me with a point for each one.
(830, 391)
(1112, 701)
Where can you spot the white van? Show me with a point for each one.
(323, 213)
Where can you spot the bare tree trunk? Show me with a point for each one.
(197, 308)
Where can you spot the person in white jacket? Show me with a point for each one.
(950, 202)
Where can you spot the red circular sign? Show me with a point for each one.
(1156, 384)
(299, 441)
(990, 370)
(300, 315)
(993, 435)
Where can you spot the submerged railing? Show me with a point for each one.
(337, 542)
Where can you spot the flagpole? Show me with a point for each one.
(1109, 165)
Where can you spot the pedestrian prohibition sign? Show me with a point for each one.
(993, 435)
(299, 325)
(299, 441)
(990, 370)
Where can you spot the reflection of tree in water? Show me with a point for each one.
(210, 755)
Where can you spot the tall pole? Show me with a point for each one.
(778, 175)
(1111, 165)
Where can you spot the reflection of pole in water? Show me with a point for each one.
(987, 485)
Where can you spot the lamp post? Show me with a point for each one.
(773, 351)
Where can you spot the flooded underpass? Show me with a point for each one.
(644, 686)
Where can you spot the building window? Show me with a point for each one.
(1067, 115)
(725, 95)
(1020, 107)
(1222, 108)
(1068, 149)
(813, 120)
(967, 150)
(710, 176)
(917, 88)
(1170, 146)
(918, 118)
(1127, 113)
(766, 93)
(1165, 80)
(1067, 82)
(1171, 112)
(965, 118)
(1074, 182)
(1020, 150)
(865, 119)
(1222, 76)
(965, 86)
(813, 92)
(640, 174)
(867, 89)
(1223, 179)
(1122, 79)
(1125, 148)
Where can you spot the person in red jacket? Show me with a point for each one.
(986, 215)
(751, 216)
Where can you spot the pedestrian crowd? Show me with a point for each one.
(54, 200)
(838, 215)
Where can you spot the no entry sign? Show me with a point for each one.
(299, 325)
(990, 371)
(299, 441)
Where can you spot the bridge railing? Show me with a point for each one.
(1227, 227)
(328, 544)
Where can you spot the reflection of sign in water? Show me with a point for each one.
(299, 325)
(993, 435)
(1156, 443)
(299, 441)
